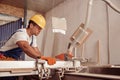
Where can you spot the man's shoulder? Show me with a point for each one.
(20, 33)
(21, 30)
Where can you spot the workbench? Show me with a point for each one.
(21, 68)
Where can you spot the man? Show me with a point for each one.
(24, 40)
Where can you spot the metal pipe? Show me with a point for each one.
(108, 37)
(88, 15)
(25, 13)
(87, 20)
(109, 3)
(25, 21)
(112, 5)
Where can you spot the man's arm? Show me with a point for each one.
(34, 52)
(36, 49)
(30, 51)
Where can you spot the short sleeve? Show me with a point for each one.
(19, 36)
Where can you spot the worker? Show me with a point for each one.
(24, 40)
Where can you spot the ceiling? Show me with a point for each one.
(41, 6)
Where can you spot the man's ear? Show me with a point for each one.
(31, 25)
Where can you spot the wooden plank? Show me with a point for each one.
(11, 10)
(15, 69)
(98, 55)
(21, 70)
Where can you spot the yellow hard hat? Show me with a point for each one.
(39, 20)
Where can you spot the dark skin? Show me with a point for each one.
(24, 45)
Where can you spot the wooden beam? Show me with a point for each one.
(11, 10)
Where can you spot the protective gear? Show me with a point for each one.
(49, 60)
(39, 20)
(64, 56)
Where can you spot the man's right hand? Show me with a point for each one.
(49, 60)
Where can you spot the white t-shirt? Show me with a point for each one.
(20, 35)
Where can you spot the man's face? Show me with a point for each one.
(36, 30)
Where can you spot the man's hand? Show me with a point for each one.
(49, 60)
